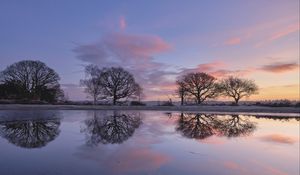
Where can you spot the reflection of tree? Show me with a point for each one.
(30, 133)
(199, 126)
(112, 129)
(234, 126)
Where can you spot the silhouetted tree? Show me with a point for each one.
(31, 79)
(139, 93)
(201, 85)
(198, 126)
(12, 90)
(181, 91)
(201, 126)
(112, 129)
(92, 82)
(30, 133)
(234, 126)
(118, 84)
(237, 88)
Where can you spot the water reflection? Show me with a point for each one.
(110, 128)
(198, 126)
(201, 126)
(235, 126)
(30, 133)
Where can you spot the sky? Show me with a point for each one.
(158, 41)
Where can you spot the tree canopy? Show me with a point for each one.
(32, 80)
(237, 88)
(200, 85)
(113, 83)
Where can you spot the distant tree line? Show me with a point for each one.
(201, 86)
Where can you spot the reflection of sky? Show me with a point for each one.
(158, 40)
(157, 148)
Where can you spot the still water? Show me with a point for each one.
(128, 142)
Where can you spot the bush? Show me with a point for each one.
(137, 103)
(167, 103)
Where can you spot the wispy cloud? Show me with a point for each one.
(217, 69)
(279, 67)
(122, 23)
(292, 28)
(264, 33)
(233, 41)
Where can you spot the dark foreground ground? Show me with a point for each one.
(293, 111)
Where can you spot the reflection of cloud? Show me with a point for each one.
(137, 155)
(212, 141)
(280, 67)
(232, 165)
(137, 160)
(278, 138)
(268, 169)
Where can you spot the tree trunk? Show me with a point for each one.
(95, 100)
(114, 100)
(198, 101)
(182, 100)
(236, 100)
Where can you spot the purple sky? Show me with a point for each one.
(158, 40)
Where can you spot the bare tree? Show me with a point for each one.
(235, 126)
(92, 82)
(115, 128)
(30, 133)
(33, 78)
(181, 90)
(139, 93)
(118, 84)
(238, 88)
(200, 85)
(198, 126)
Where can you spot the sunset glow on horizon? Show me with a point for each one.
(158, 41)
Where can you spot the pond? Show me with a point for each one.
(146, 142)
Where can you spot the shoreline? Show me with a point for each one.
(248, 110)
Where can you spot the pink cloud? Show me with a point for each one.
(280, 34)
(136, 50)
(139, 46)
(233, 41)
(217, 69)
(221, 73)
(278, 138)
(122, 23)
(205, 67)
(280, 67)
(290, 29)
